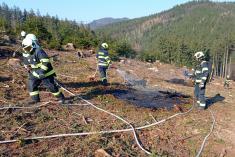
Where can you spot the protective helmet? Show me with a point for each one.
(199, 55)
(23, 33)
(105, 45)
(27, 45)
(27, 42)
(32, 37)
(34, 40)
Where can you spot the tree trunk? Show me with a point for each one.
(224, 60)
(217, 64)
(221, 68)
(230, 62)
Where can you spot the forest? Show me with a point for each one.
(173, 36)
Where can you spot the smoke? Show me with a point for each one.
(132, 80)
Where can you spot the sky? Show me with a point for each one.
(86, 11)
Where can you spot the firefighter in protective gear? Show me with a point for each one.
(103, 61)
(40, 71)
(226, 82)
(201, 75)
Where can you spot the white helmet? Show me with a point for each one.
(32, 37)
(105, 45)
(34, 40)
(27, 42)
(27, 45)
(199, 55)
(23, 33)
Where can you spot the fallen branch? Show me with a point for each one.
(188, 137)
(84, 119)
(153, 118)
(5, 85)
(18, 129)
(5, 112)
(67, 76)
(75, 104)
(3, 101)
(18, 107)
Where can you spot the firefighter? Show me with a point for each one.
(226, 82)
(40, 71)
(103, 61)
(201, 76)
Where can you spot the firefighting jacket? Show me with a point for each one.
(201, 72)
(103, 58)
(39, 63)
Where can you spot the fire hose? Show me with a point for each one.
(117, 131)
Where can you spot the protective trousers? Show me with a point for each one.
(48, 82)
(103, 74)
(199, 93)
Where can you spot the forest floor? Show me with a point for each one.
(167, 92)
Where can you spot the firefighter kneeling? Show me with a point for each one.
(40, 71)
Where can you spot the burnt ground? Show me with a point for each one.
(148, 92)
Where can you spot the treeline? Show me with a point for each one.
(174, 36)
(53, 32)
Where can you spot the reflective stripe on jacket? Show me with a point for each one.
(201, 72)
(39, 62)
(103, 58)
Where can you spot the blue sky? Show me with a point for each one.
(87, 10)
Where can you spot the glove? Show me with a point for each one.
(28, 68)
(201, 85)
(38, 75)
(41, 75)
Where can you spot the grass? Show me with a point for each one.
(47, 121)
(220, 141)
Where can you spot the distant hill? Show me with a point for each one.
(105, 21)
(198, 20)
(173, 36)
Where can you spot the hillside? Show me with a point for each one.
(173, 36)
(104, 21)
(193, 20)
(141, 93)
